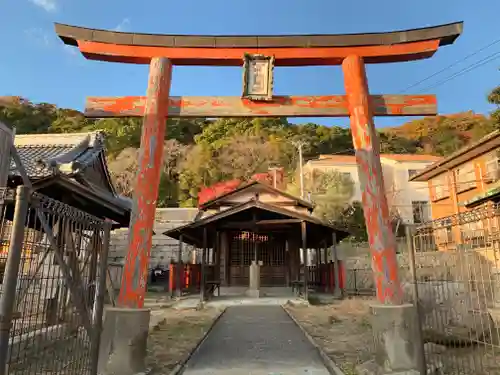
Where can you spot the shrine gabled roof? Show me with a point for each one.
(259, 185)
(44, 155)
(320, 231)
(71, 167)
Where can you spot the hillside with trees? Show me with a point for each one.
(200, 152)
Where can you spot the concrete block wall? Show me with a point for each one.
(163, 248)
(445, 266)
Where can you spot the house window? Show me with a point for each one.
(412, 172)
(473, 234)
(421, 211)
(492, 172)
(441, 187)
(473, 229)
(465, 177)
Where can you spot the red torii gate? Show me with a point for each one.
(352, 51)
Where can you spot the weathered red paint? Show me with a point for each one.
(135, 272)
(281, 106)
(376, 209)
(284, 56)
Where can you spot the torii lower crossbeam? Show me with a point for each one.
(280, 106)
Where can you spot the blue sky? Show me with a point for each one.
(36, 65)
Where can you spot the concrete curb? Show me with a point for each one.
(329, 364)
(180, 366)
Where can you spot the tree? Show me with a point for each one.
(394, 144)
(353, 219)
(332, 192)
(173, 153)
(236, 157)
(242, 156)
(440, 135)
(124, 168)
(197, 169)
(216, 133)
(494, 98)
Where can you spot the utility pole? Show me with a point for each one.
(299, 145)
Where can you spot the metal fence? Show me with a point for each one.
(52, 296)
(114, 276)
(451, 266)
(348, 248)
(459, 292)
(359, 282)
(358, 278)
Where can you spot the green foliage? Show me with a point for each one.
(332, 192)
(354, 220)
(394, 144)
(494, 98)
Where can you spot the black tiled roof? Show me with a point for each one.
(45, 154)
(74, 162)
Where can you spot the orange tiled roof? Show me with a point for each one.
(411, 157)
(336, 159)
(325, 159)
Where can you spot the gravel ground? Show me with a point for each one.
(64, 357)
(174, 339)
(343, 330)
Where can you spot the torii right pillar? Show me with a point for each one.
(395, 324)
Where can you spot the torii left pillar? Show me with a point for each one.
(124, 337)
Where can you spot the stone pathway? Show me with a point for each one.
(255, 340)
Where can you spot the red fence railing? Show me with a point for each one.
(322, 276)
(190, 276)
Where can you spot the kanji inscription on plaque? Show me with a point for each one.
(258, 77)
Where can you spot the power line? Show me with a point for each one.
(450, 66)
(467, 69)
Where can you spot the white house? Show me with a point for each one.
(410, 200)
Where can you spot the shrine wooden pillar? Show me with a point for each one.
(135, 272)
(376, 211)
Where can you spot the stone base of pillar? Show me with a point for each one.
(338, 294)
(253, 293)
(397, 347)
(124, 339)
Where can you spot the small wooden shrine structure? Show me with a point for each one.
(258, 224)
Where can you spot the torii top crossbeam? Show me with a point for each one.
(288, 50)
